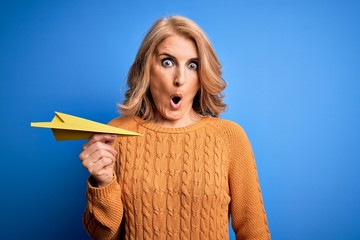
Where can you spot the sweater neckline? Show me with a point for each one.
(157, 128)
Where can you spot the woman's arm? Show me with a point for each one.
(103, 215)
(246, 207)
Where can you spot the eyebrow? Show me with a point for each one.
(171, 56)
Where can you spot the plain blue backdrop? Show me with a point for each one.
(293, 74)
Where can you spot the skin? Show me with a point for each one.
(173, 72)
(98, 157)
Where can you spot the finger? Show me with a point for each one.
(105, 138)
(101, 153)
(97, 146)
(101, 167)
(106, 170)
(89, 161)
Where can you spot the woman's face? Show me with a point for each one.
(174, 81)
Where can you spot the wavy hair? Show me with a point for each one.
(208, 100)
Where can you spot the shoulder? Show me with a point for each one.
(228, 128)
(234, 135)
(122, 121)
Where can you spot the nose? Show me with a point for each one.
(179, 78)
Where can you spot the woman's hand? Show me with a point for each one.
(98, 157)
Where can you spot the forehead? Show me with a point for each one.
(178, 46)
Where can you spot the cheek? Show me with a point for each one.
(158, 80)
(196, 84)
(157, 90)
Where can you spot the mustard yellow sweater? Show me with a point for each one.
(179, 183)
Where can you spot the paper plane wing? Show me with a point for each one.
(68, 127)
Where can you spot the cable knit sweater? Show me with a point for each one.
(179, 183)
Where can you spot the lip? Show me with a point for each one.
(174, 105)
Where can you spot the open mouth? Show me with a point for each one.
(176, 99)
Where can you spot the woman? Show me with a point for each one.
(190, 170)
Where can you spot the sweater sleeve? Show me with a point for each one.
(104, 212)
(246, 206)
(103, 215)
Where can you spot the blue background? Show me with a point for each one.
(293, 74)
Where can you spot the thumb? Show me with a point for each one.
(110, 140)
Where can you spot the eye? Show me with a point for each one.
(193, 65)
(167, 63)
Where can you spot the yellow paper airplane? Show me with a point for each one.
(68, 127)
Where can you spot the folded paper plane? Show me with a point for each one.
(68, 127)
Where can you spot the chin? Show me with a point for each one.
(172, 116)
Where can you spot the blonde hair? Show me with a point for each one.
(209, 99)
